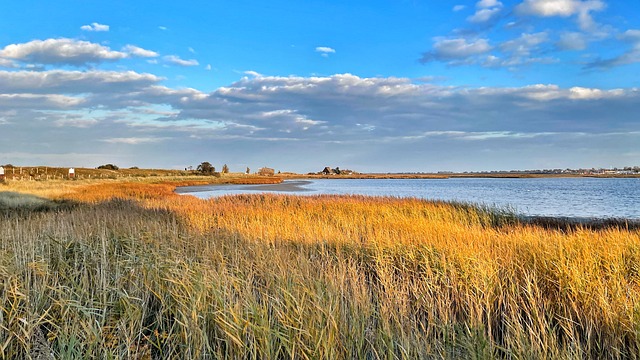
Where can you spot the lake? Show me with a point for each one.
(564, 197)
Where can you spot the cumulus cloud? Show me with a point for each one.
(138, 51)
(526, 49)
(66, 82)
(325, 51)
(329, 106)
(487, 10)
(582, 93)
(7, 63)
(176, 60)
(484, 15)
(458, 50)
(38, 101)
(95, 27)
(457, 8)
(563, 8)
(60, 52)
(326, 105)
(344, 110)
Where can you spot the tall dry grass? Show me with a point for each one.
(119, 270)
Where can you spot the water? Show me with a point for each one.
(564, 197)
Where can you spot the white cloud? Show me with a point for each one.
(484, 15)
(632, 35)
(513, 62)
(95, 27)
(414, 118)
(133, 140)
(38, 101)
(487, 10)
(176, 60)
(138, 51)
(488, 4)
(208, 67)
(325, 51)
(525, 44)
(456, 50)
(7, 63)
(457, 8)
(346, 98)
(563, 8)
(163, 28)
(76, 122)
(252, 73)
(60, 51)
(581, 93)
(549, 93)
(572, 41)
(66, 82)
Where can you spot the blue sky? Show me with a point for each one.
(368, 85)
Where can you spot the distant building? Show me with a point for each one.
(337, 171)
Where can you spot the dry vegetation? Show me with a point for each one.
(131, 270)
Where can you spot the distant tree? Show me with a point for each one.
(206, 168)
(248, 171)
(225, 169)
(108, 167)
(265, 171)
(134, 168)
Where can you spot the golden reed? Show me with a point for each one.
(132, 270)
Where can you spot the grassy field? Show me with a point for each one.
(122, 269)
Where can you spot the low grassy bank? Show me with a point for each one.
(131, 270)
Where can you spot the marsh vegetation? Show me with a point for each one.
(131, 270)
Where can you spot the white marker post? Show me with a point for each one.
(72, 173)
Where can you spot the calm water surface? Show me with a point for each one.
(567, 197)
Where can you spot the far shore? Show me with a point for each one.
(498, 175)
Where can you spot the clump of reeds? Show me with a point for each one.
(135, 271)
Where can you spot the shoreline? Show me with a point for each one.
(365, 176)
